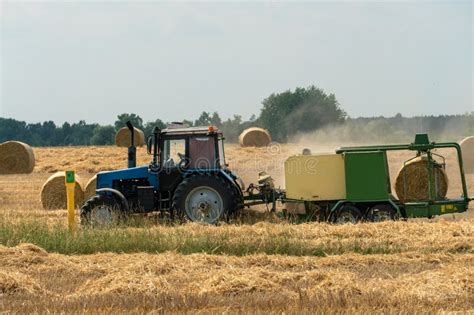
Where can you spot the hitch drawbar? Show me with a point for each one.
(263, 193)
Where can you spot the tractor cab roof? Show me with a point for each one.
(183, 131)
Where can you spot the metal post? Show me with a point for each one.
(70, 190)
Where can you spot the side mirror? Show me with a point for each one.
(149, 144)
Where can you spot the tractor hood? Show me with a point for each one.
(106, 179)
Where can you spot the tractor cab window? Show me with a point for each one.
(174, 151)
(202, 152)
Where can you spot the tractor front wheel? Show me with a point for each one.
(101, 210)
(205, 198)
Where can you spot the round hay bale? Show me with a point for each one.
(53, 192)
(122, 137)
(412, 181)
(91, 186)
(467, 147)
(16, 158)
(255, 137)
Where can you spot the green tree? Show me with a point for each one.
(66, 134)
(49, 133)
(81, 133)
(232, 127)
(188, 123)
(11, 129)
(208, 119)
(306, 109)
(149, 126)
(103, 135)
(122, 119)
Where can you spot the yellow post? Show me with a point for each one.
(70, 188)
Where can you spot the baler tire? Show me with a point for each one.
(347, 212)
(388, 213)
(217, 184)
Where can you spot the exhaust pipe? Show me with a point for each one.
(156, 132)
(132, 151)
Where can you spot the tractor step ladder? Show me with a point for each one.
(164, 203)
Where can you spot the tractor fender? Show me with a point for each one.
(115, 193)
(234, 184)
(230, 179)
(218, 172)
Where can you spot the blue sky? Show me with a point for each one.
(66, 61)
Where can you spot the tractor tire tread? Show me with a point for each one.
(93, 202)
(234, 200)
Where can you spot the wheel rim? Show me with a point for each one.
(102, 215)
(346, 217)
(204, 204)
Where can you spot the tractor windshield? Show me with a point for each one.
(174, 151)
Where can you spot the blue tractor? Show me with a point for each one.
(187, 177)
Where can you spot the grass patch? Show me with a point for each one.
(222, 240)
(181, 239)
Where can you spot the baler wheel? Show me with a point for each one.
(382, 212)
(347, 214)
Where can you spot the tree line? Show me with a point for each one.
(286, 115)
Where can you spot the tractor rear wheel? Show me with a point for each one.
(101, 210)
(347, 214)
(205, 198)
(382, 212)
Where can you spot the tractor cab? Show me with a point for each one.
(180, 151)
(188, 148)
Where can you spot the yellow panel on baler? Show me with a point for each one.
(315, 177)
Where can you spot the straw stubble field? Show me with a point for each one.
(260, 265)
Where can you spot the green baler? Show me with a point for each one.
(363, 189)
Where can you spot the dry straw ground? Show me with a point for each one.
(409, 267)
(33, 280)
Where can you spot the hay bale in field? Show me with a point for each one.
(467, 146)
(16, 158)
(53, 192)
(122, 137)
(255, 137)
(91, 185)
(412, 181)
